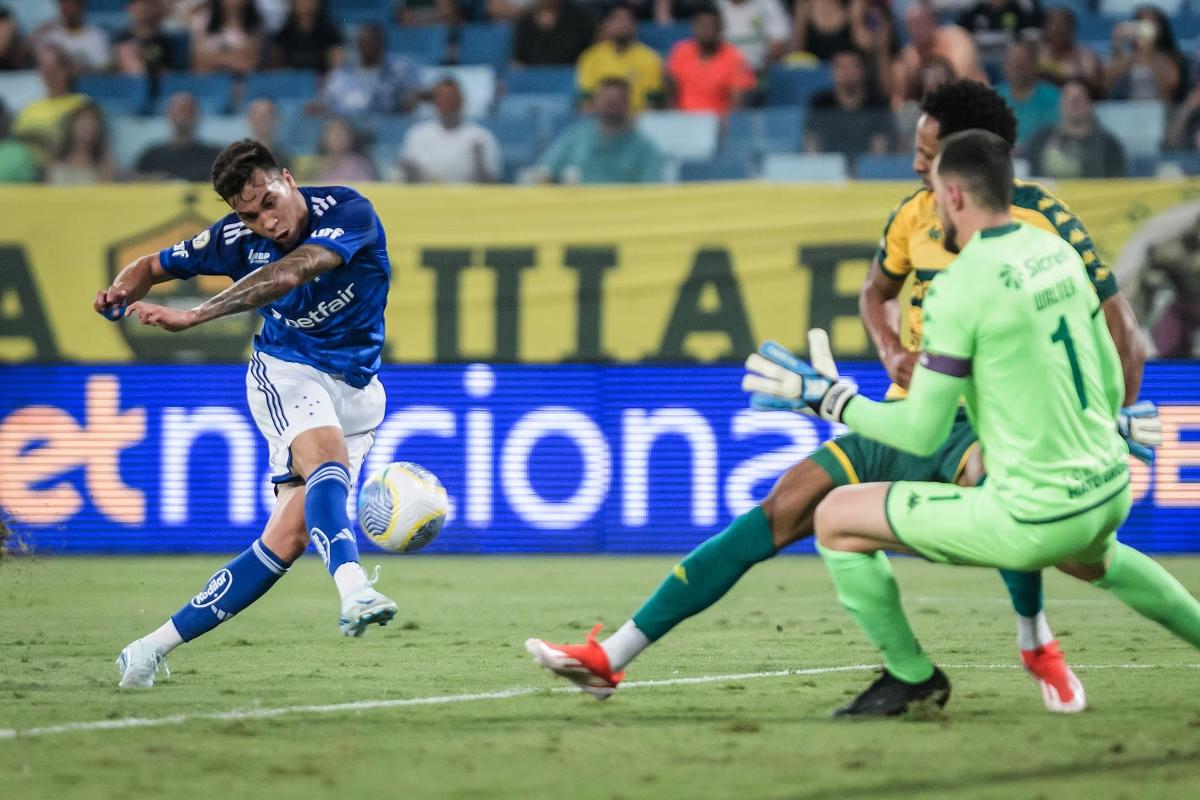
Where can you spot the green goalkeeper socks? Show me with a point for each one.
(867, 588)
(707, 573)
(1141, 583)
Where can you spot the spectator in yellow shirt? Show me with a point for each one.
(40, 124)
(619, 54)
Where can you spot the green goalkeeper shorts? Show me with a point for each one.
(856, 459)
(956, 525)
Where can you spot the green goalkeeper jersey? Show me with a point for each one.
(1044, 383)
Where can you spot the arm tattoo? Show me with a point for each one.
(270, 282)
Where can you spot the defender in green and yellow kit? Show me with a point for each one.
(1012, 327)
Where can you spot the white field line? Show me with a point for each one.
(367, 705)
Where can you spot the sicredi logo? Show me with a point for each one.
(322, 312)
(217, 586)
(328, 233)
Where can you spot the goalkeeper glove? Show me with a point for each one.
(779, 381)
(1140, 427)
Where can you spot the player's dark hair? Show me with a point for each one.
(616, 82)
(961, 105)
(237, 163)
(983, 161)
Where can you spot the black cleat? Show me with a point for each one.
(890, 697)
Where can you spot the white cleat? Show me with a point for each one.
(366, 607)
(138, 664)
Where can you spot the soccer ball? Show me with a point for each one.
(402, 507)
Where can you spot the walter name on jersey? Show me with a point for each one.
(334, 322)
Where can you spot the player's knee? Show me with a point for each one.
(791, 505)
(1084, 572)
(825, 522)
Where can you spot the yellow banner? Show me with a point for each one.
(675, 273)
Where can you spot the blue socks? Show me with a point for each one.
(234, 587)
(328, 487)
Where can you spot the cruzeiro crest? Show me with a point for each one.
(224, 339)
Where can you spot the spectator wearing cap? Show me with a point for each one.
(308, 39)
(1061, 58)
(619, 54)
(17, 162)
(376, 84)
(83, 157)
(605, 148)
(40, 123)
(86, 45)
(143, 48)
(449, 149)
(552, 32)
(227, 35)
(14, 49)
(183, 157)
(1033, 101)
(706, 73)
(1077, 147)
(849, 118)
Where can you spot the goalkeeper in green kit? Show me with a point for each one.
(1013, 327)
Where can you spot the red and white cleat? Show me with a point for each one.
(1062, 692)
(585, 665)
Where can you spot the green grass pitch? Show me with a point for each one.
(460, 632)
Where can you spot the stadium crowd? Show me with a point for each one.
(581, 91)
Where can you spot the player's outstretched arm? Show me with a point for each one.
(130, 285)
(253, 291)
(876, 306)
(921, 422)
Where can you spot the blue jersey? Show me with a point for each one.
(335, 321)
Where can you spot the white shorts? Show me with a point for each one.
(286, 399)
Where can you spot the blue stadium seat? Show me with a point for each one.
(535, 105)
(385, 129)
(221, 129)
(804, 168)
(126, 94)
(485, 43)
(719, 169)
(289, 84)
(1123, 9)
(793, 86)
(663, 37)
(782, 130)
(356, 12)
(740, 138)
(1185, 161)
(425, 44)
(892, 167)
(213, 92)
(517, 144)
(130, 135)
(542, 80)
(681, 135)
(1139, 124)
(19, 89)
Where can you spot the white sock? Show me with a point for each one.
(166, 638)
(624, 645)
(1033, 632)
(349, 577)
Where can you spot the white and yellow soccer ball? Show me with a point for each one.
(402, 507)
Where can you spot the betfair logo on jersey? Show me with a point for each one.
(322, 312)
(328, 233)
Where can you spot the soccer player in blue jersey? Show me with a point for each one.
(313, 262)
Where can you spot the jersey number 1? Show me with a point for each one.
(1062, 334)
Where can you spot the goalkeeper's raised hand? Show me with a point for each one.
(1141, 428)
(779, 381)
